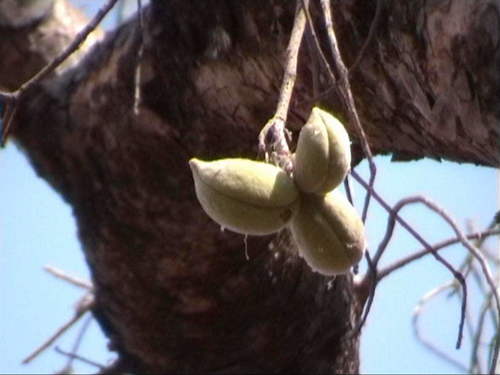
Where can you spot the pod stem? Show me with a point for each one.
(272, 138)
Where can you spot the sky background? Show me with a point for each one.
(37, 229)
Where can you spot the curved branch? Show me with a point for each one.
(428, 343)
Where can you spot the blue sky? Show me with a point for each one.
(37, 228)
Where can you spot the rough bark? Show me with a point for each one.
(173, 292)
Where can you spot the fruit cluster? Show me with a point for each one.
(257, 198)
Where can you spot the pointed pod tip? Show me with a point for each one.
(194, 164)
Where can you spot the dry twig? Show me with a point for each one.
(60, 274)
(346, 94)
(12, 98)
(73, 356)
(140, 52)
(439, 246)
(429, 344)
(371, 276)
(86, 304)
(272, 139)
(369, 38)
(68, 368)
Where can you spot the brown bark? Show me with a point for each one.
(173, 292)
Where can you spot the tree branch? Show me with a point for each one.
(274, 130)
(429, 344)
(438, 246)
(49, 68)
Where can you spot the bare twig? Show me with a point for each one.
(421, 253)
(140, 52)
(88, 303)
(8, 115)
(50, 67)
(348, 190)
(477, 254)
(316, 42)
(272, 139)
(479, 257)
(72, 47)
(78, 341)
(80, 358)
(395, 217)
(291, 62)
(372, 285)
(478, 243)
(70, 279)
(376, 276)
(346, 93)
(429, 344)
(369, 38)
(474, 362)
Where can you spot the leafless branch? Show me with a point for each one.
(474, 362)
(439, 246)
(346, 93)
(369, 282)
(86, 305)
(50, 67)
(78, 340)
(140, 52)
(79, 358)
(476, 253)
(369, 38)
(317, 44)
(272, 138)
(60, 274)
(416, 329)
(479, 257)
(394, 216)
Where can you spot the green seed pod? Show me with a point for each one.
(245, 196)
(329, 233)
(323, 155)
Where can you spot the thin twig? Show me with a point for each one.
(421, 253)
(80, 358)
(372, 285)
(477, 254)
(369, 38)
(474, 362)
(348, 190)
(480, 258)
(78, 314)
(72, 47)
(10, 111)
(6, 96)
(416, 315)
(70, 279)
(480, 236)
(78, 340)
(468, 260)
(58, 60)
(291, 63)
(374, 276)
(470, 330)
(140, 52)
(395, 216)
(272, 139)
(346, 93)
(487, 294)
(317, 44)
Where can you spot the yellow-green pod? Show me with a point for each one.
(323, 155)
(329, 233)
(245, 196)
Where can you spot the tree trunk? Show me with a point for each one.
(175, 293)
